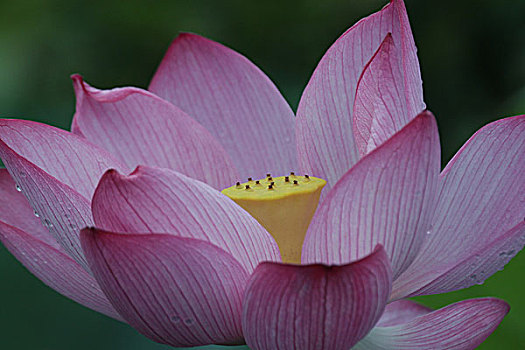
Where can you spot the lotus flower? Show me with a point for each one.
(261, 263)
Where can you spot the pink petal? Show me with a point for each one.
(315, 306)
(68, 158)
(16, 211)
(55, 268)
(480, 209)
(233, 99)
(386, 198)
(152, 200)
(461, 326)
(174, 290)
(31, 243)
(380, 106)
(56, 171)
(325, 139)
(401, 311)
(141, 128)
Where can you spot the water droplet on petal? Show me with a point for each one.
(188, 321)
(48, 223)
(36, 214)
(18, 188)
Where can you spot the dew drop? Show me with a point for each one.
(36, 214)
(22, 174)
(18, 188)
(188, 321)
(48, 223)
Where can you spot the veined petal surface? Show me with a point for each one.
(387, 198)
(480, 208)
(57, 171)
(289, 307)
(325, 138)
(174, 290)
(401, 311)
(233, 99)
(461, 326)
(380, 106)
(31, 243)
(142, 129)
(152, 200)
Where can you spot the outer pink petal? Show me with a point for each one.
(31, 243)
(401, 311)
(315, 306)
(387, 198)
(177, 291)
(141, 128)
(56, 171)
(152, 200)
(16, 211)
(56, 269)
(68, 158)
(325, 140)
(233, 99)
(461, 326)
(480, 208)
(380, 106)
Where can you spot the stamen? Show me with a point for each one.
(250, 179)
(295, 182)
(292, 173)
(268, 175)
(286, 179)
(270, 186)
(247, 187)
(257, 182)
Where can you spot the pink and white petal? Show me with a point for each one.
(401, 311)
(68, 158)
(325, 139)
(315, 306)
(233, 99)
(480, 208)
(174, 290)
(16, 211)
(387, 198)
(56, 269)
(56, 171)
(153, 200)
(380, 106)
(475, 268)
(461, 326)
(143, 129)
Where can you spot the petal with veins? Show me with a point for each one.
(152, 200)
(174, 290)
(290, 307)
(386, 198)
(461, 326)
(57, 171)
(233, 99)
(31, 243)
(142, 129)
(380, 106)
(325, 139)
(480, 208)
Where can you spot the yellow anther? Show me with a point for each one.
(285, 208)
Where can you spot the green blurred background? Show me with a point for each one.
(472, 57)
